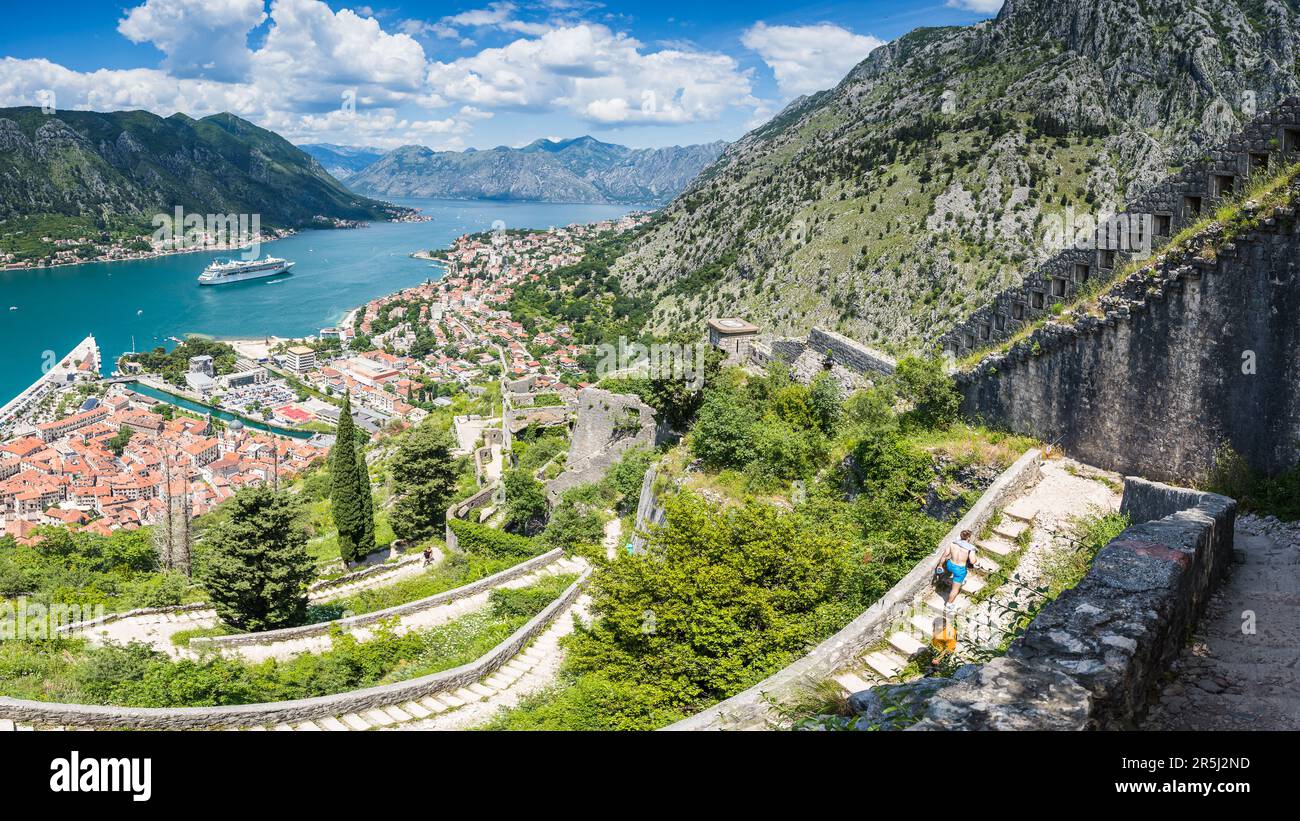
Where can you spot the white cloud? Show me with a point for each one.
(201, 38)
(598, 75)
(981, 6)
(338, 76)
(805, 59)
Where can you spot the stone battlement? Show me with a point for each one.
(1188, 354)
(1269, 141)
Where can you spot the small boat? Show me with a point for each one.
(13, 307)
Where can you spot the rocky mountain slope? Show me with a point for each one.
(342, 161)
(579, 170)
(132, 164)
(893, 204)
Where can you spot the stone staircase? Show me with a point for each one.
(912, 633)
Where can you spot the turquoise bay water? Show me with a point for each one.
(151, 300)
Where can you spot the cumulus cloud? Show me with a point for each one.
(201, 38)
(597, 74)
(805, 59)
(338, 76)
(981, 6)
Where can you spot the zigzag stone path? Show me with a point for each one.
(1064, 490)
(530, 672)
(1229, 678)
(157, 629)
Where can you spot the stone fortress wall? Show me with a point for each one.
(1090, 658)
(807, 357)
(1268, 141)
(1193, 354)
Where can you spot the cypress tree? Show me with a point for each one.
(367, 506)
(345, 491)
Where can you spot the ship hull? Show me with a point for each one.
(246, 275)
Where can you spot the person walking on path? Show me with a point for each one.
(957, 559)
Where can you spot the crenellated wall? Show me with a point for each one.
(1269, 141)
(1195, 353)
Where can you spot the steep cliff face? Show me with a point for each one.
(892, 205)
(578, 170)
(134, 164)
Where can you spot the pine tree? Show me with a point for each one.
(346, 501)
(424, 475)
(257, 567)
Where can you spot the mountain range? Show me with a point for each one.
(131, 164)
(895, 203)
(583, 170)
(342, 161)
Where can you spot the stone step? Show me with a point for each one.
(451, 700)
(416, 709)
(397, 713)
(483, 691)
(986, 565)
(498, 682)
(258, 729)
(355, 721)
(308, 726)
(332, 724)
(996, 546)
(435, 705)
(6, 725)
(1022, 510)
(282, 728)
(885, 662)
(378, 718)
(935, 602)
(850, 682)
(467, 696)
(905, 644)
(1010, 530)
(973, 584)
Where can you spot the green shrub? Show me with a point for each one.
(481, 540)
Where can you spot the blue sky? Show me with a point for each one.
(458, 74)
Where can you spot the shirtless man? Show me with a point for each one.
(957, 559)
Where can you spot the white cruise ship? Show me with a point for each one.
(234, 270)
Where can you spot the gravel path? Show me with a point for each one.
(1232, 677)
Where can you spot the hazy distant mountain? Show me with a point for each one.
(342, 161)
(578, 170)
(132, 164)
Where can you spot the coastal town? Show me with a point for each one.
(99, 454)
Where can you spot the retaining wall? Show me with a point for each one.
(270, 713)
(461, 509)
(1091, 657)
(751, 709)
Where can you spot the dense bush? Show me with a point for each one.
(117, 572)
(482, 540)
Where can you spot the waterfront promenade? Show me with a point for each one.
(84, 358)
